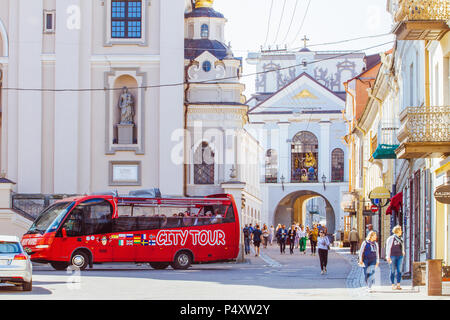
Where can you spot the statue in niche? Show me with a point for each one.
(126, 106)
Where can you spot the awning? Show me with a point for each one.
(385, 151)
(396, 203)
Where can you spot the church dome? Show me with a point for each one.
(195, 47)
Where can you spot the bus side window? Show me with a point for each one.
(97, 217)
(74, 223)
(229, 213)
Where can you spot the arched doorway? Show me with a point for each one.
(296, 208)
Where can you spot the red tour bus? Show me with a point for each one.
(142, 228)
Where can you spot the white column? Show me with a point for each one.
(29, 104)
(171, 99)
(236, 189)
(324, 151)
(67, 75)
(284, 150)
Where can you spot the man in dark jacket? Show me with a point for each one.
(282, 236)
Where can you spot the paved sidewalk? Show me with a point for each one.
(382, 288)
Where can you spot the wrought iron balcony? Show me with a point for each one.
(422, 19)
(424, 132)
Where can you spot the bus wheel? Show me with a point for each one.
(58, 265)
(182, 260)
(159, 265)
(80, 260)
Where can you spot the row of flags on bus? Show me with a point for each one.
(131, 239)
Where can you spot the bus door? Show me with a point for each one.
(87, 226)
(69, 236)
(148, 225)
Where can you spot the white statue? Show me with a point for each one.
(126, 106)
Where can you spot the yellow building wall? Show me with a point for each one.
(441, 232)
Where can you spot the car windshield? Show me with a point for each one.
(9, 247)
(50, 219)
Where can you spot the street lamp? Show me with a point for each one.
(282, 181)
(324, 179)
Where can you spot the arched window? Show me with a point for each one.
(204, 164)
(337, 165)
(204, 31)
(271, 166)
(304, 157)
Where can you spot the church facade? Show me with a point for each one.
(119, 95)
(83, 109)
(296, 113)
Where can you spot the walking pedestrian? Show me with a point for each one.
(353, 237)
(271, 234)
(257, 238)
(369, 258)
(314, 233)
(265, 234)
(296, 236)
(282, 236)
(395, 251)
(247, 235)
(292, 233)
(303, 236)
(323, 244)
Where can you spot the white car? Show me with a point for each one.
(15, 264)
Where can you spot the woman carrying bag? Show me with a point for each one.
(369, 258)
(395, 251)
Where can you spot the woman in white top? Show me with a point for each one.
(303, 237)
(271, 234)
(323, 244)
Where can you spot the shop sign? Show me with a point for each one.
(380, 193)
(442, 194)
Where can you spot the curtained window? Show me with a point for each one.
(337, 165)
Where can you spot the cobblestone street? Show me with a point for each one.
(271, 276)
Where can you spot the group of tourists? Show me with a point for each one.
(369, 257)
(298, 235)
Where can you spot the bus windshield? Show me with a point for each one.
(50, 219)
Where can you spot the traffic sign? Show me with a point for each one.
(374, 208)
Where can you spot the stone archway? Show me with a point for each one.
(292, 209)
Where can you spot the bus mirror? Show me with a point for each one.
(64, 232)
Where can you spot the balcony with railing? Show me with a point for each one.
(424, 132)
(421, 19)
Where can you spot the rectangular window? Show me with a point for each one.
(126, 19)
(49, 21)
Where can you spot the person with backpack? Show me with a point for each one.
(369, 258)
(257, 239)
(247, 234)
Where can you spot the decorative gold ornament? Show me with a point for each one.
(204, 3)
(305, 94)
(310, 161)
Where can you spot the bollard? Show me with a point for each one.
(434, 277)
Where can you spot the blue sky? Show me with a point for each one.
(326, 21)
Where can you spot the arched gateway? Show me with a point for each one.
(292, 208)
